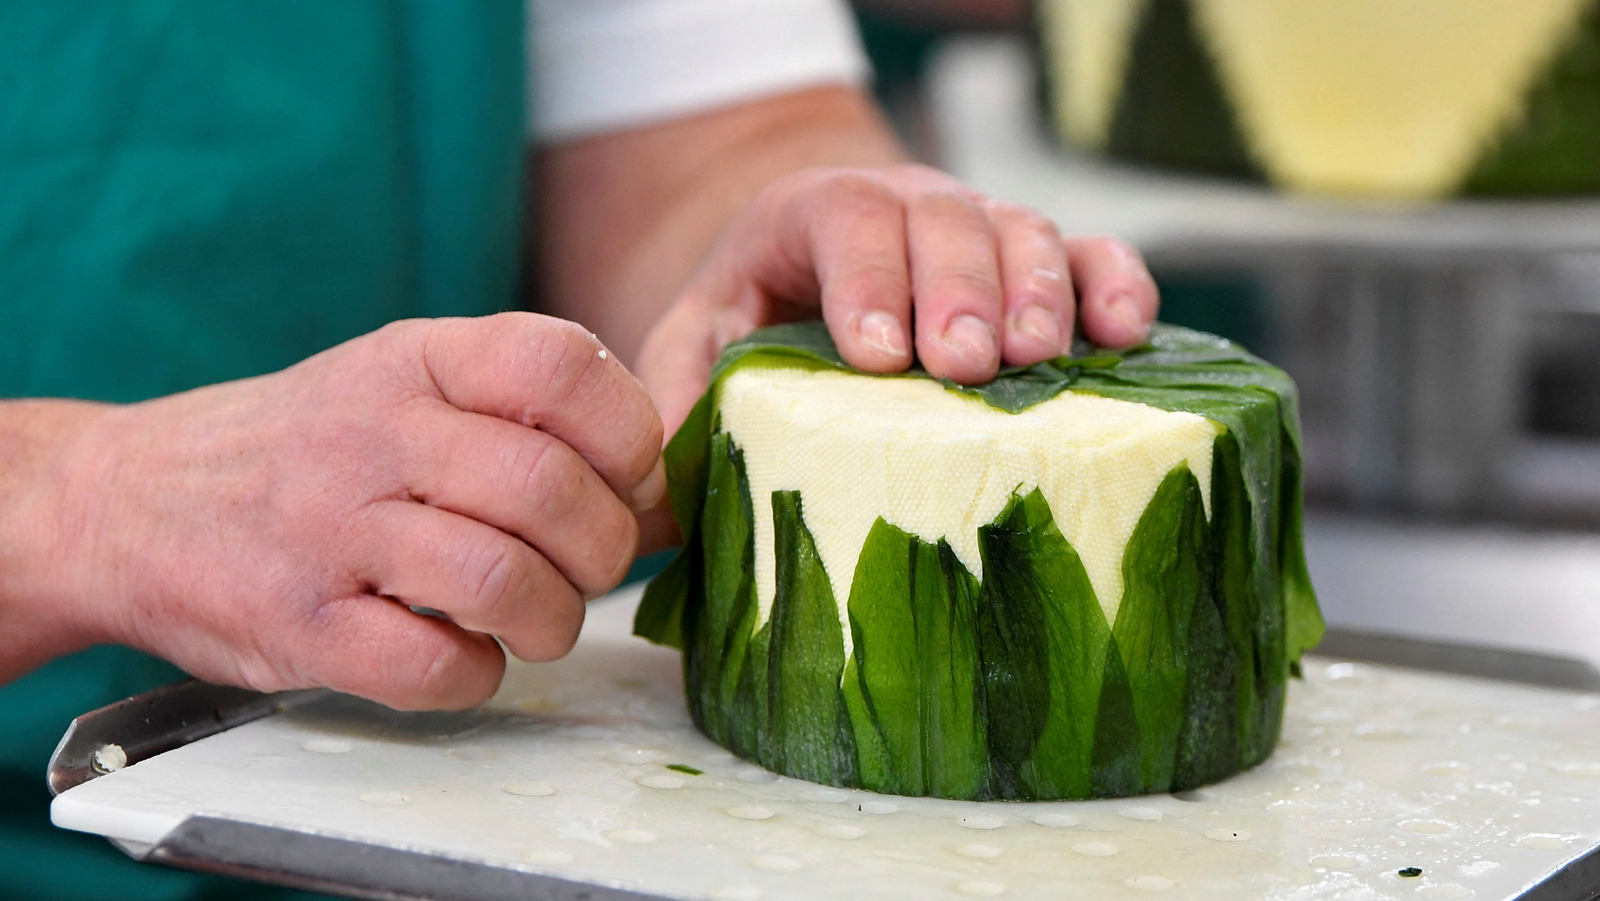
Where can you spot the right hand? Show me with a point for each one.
(272, 532)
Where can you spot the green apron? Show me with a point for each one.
(200, 190)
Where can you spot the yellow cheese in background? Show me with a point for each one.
(941, 465)
(1090, 41)
(1378, 96)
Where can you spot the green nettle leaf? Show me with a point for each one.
(1015, 687)
(1115, 756)
(910, 683)
(1163, 583)
(717, 644)
(805, 705)
(1042, 640)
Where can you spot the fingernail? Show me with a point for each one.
(1125, 312)
(883, 332)
(650, 492)
(972, 338)
(1039, 324)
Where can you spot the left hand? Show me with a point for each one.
(897, 259)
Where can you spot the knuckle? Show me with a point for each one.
(872, 281)
(969, 282)
(1022, 218)
(627, 548)
(856, 193)
(558, 634)
(609, 556)
(541, 476)
(650, 437)
(570, 363)
(1111, 247)
(442, 677)
(492, 576)
(948, 204)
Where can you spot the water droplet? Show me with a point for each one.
(1149, 883)
(737, 893)
(1338, 672)
(1450, 891)
(1146, 814)
(1221, 834)
(879, 808)
(637, 755)
(1341, 862)
(1544, 841)
(660, 780)
(1096, 849)
(603, 353)
(1519, 722)
(528, 789)
(387, 799)
(751, 812)
(549, 856)
(981, 852)
(1376, 732)
(631, 836)
(981, 822)
(1583, 769)
(982, 889)
(777, 863)
(756, 776)
(327, 746)
(840, 831)
(1428, 827)
(1056, 820)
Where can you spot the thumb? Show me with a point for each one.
(676, 360)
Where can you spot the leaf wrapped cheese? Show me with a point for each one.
(1083, 580)
(1418, 100)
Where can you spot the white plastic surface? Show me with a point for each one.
(1484, 786)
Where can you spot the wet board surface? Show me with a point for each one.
(577, 771)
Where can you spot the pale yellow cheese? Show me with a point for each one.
(942, 465)
(1392, 97)
(1384, 97)
(1089, 52)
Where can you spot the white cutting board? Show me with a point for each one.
(1485, 786)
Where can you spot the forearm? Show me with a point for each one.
(625, 218)
(37, 603)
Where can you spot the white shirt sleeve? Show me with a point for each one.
(600, 65)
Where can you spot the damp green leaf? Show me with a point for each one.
(1164, 578)
(805, 707)
(911, 684)
(1041, 640)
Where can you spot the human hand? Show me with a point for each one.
(898, 258)
(271, 532)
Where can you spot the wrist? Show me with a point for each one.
(43, 573)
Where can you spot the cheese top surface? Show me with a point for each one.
(941, 465)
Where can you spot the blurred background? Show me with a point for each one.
(1445, 338)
